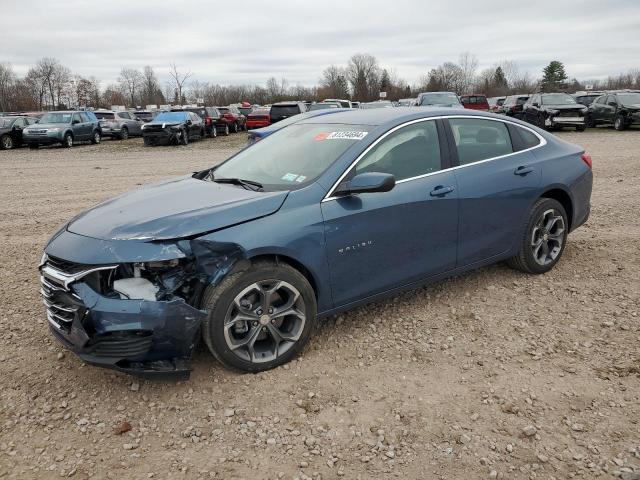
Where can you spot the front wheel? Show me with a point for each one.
(184, 137)
(96, 138)
(124, 134)
(544, 238)
(259, 318)
(235, 127)
(226, 130)
(214, 132)
(6, 142)
(619, 123)
(67, 141)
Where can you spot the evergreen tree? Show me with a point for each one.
(554, 76)
(499, 80)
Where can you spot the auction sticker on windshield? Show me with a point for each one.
(341, 136)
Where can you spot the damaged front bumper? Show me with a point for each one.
(144, 337)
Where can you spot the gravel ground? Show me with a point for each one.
(494, 374)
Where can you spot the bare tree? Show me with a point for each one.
(178, 81)
(7, 85)
(468, 65)
(130, 81)
(363, 74)
(334, 82)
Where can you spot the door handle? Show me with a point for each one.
(523, 170)
(441, 191)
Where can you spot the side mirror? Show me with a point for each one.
(366, 183)
(535, 104)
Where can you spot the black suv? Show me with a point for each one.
(280, 111)
(210, 116)
(586, 98)
(512, 105)
(11, 130)
(552, 110)
(620, 109)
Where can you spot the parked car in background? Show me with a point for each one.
(259, 134)
(343, 103)
(281, 110)
(258, 118)
(173, 128)
(355, 104)
(11, 128)
(324, 216)
(620, 109)
(65, 128)
(210, 116)
(475, 101)
(554, 110)
(586, 98)
(512, 106)
(407, 102)
(376, 104)
(144, 115)
(439, 99)
(119, 124)
(246, 109)
(231, 120)
(495, 103)
(323, 106)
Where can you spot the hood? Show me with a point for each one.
(38, 126)
(635, 106)
(174, 209)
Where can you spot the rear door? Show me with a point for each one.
(609, 109)
(378, 241)
(79, 127)
(497, 178)
(16, 132)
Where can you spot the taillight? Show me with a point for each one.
(586, 158)
(207, 121)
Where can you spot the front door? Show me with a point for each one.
(378, 241)
(495, 187)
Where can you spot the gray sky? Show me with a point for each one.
(247, 41)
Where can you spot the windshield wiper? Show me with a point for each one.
(247, 184)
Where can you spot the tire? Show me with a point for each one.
(580, 128)
(95, 139)
(203, 133)
(235, 127)
(619, 123)
(214, 132)
(6, 142)
(226, 130)
(67, 141)
(184, 137)
(147, 141)
(590, 122)
(124, 133)
(264, 352)
(544, 238)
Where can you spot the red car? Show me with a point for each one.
(475, 101)
(258, 119)
(231, 120)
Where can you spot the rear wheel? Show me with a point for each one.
(591, 123)
(124, 133)
(67, 141)
(214, 132)
(96, 138)
(235, 127)
(6, 142)
(544, 238)
(226, 130)
(619, 123)
(260, 318)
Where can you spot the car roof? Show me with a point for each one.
(382, 116)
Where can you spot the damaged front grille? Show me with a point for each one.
(62, 305)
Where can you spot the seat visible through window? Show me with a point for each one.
(479, 139)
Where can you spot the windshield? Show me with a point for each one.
(629, 98)
(245, 110)
(557, 99)
(293, 156)
(102, 115)
(279, 110)
(322, 106)
(440, 99)
(171, 117)
(201, 112)
(6, 122)
(56, 117)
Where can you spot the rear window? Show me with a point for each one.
(529, 139)
(479, 139)
(105, 115)
(281, 110)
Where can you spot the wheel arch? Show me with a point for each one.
(292, 262)
(561, 195)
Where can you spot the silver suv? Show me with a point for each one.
(119, 124)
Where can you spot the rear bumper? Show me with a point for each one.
(258, 123)
(111, 132)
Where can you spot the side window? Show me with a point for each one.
(77, 118)
(31, 121)
(409, 152)
(19, 123)
(86, 117)
(529, 139)
(124, 115)
(479, 139)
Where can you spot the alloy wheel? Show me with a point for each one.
(264, 321)
(7, 142)
(547, 237)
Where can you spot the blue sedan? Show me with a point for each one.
(322, 216)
